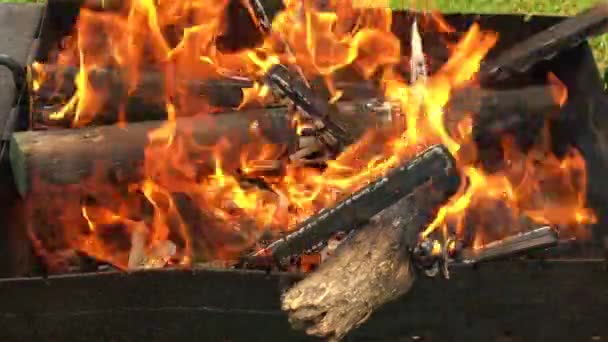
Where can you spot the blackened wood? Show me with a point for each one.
(69, 156)
(493, 111)
(434, 166)
(566, 300)
(509, 246)
(292, 86)
(95, 5)
(367, 270)
(489, 107)
(547, 43)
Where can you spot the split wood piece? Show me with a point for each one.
(370, 268)
(69, 156)
(435, 166)
(289, 84)
(547, 43)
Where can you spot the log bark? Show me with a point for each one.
(69, 156)
(369, 269)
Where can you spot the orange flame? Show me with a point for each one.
(180, 38)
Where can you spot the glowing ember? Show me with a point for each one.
(180, 38)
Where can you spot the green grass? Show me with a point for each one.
(564, 7)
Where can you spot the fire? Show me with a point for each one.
(180, 39)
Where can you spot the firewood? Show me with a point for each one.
(547, 43)
(219, 92)
(434, 168)
(369, 268)
(523, 242)
(498, 111)
(69, 156)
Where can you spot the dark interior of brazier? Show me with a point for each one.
(189, 136)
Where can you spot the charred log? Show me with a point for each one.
(434, 169)
(546, 44)
(372, 267)
(70, 156)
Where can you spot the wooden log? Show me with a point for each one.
(53, 83)
(520, 243)
(490, 106)
(370, 268)
(494, 112)
(435, 166)
(69, 156)
(546, 44)
(497, 111)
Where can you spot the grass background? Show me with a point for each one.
(561, 7)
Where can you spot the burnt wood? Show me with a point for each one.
(289, 84)
(566, 301)
(434, 169)
(370, 268)
(547, 43)
(69, 156)
(495, 112)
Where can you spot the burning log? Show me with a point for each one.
(547, 43)
(494, 111)
(58, 81)
(372, 267)
(434, 169)
(69, 156)
(498, 111)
